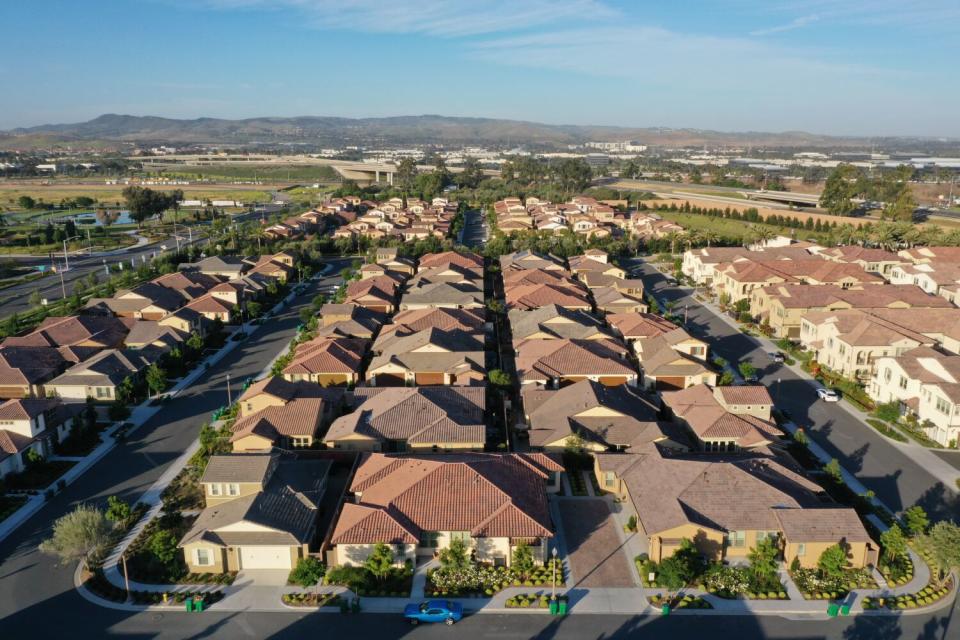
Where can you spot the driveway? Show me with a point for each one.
(594, 549)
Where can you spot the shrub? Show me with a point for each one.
(308, 572)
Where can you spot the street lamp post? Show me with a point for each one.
(778, 390)
(229, 397)
(554, 563)
(66, 260)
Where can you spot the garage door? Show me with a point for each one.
(265, 558)
(390, 380)
(430, 378)
(612, 381)
(670, 383)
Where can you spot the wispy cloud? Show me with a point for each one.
(443, 18)
(934, 15)
(796, 23)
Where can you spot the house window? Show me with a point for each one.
(943, 406)
(737, 539)
(430, 539)
(609, 478)
(204, 558)
(233, 489)
(801, 549)
(903, 382)
(249, 406)
(463, 536)
(886, 375)
(215, 489)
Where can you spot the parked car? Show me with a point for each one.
(433, 611)
(827, 395)
(778, 357)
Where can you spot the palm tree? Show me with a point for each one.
(846, 233)
(672, 237)
(709, 237)
(762, 233)
(883, 235)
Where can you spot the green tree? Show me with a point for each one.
(163, 546)
(747, 370)
(522, 559)
(456, 556)
(499, 378)
(406, 173)
(915, 520)
(380, 561)
(902, 205)
(35, 298)
(682, 567)
(308, 572)
(832, 469)
(26, 202)
(833, 561)
(117, 510)
(472, 174)
(763, 561)
(943, 542)
(840, 189)
(156, 378)
(145, 203)
(78, 533)
(893, 543)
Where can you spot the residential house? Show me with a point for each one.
(526, 259)
(699, 264)
(261, 513)
(736, 280)
(327, 361)
(412, 419)
(558, 363)
(596, 416)
(376, 294)
(404, 323)
(229, 267)
(726, 505)
(552, 322)
(925, 383)
(349, 321)
(666, 362)
(31, 424)
(24, 371)
(612, 300)
(275, 391)
(872, 260)
(419, 504)
(724, 419)
(99, 377)
(443, 294)
(294, 424)
(783, 306)
(534, 296)
(97, 332)
(428, 357)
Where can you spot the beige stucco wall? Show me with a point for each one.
(356, 554)
(245, 489)
(858, 554)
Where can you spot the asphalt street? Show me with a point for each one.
(897, 480)
(15, 299)
(34, 591)
(474, 228)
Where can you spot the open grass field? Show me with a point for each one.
(736, 229)
(258, 172)
(55, 192)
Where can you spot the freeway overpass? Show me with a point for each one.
(783, 197)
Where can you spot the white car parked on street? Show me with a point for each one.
(827, 395)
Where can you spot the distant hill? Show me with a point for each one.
(320, 131)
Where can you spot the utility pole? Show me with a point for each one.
(229, 397)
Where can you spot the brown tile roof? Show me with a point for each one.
(328, 355)
(707, 418)
(546, 359)
(639, 325)
(463, 259)
(27, 408)
(538, 276)
(285, 390)
(238, 467)
(413, 320)
(538, 295)
(736, 493)
(489, 495)
(65, 331)
(555, 321)
(12, 442)
(752, 394)
(822, 525)
(415, 415)
(300, 417)
(30, 365)
(801, 296)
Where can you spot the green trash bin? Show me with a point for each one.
(665, 610)
(189, 603)
(833, 610)
(198, 604)
(553, 607)
(845, 610)
(562, 608)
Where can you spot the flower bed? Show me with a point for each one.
(480, 580)
(923, 598)
(312, 599)
(209, 578)
(676, 601)
(898, 571)
(816, 586)
(359, 580)
(736, 582)
(537, 600)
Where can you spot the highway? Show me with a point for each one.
(36, 595)
(15, 299)
(897, 480)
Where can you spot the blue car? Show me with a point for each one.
(434, 611)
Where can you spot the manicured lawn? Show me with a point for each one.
(39, 476)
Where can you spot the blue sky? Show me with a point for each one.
(885, 67)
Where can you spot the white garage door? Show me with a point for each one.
(265, 558)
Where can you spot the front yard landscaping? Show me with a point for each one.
(312, 599)
(38, 475)
(817, 584)
(461, 576)
(923, 598)
(9, 505)
(676, 601)
(153, 557)
(538, 600)
(394, 583)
